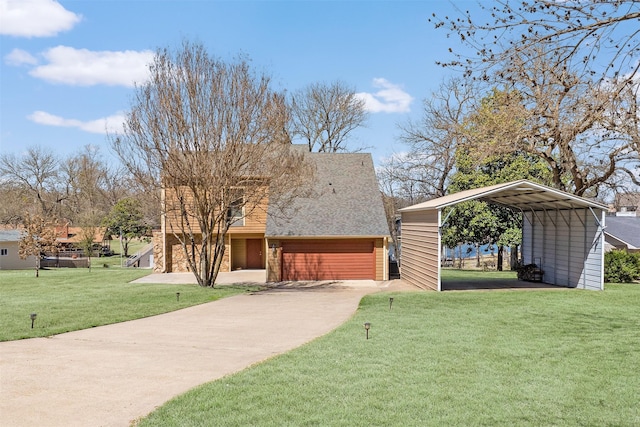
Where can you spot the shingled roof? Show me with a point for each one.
(624, 228)
(346, 201)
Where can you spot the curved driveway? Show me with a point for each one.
(111, 375)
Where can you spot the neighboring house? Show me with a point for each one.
(69, 239)
(340, 233)
(622, 232)
(9, 251)
(627, 204)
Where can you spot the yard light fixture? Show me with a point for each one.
(390, 302)
(178, 296)
(33, 318)
(367, 326)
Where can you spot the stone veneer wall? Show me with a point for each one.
(273, 261)
(158, 259)
(176, 257)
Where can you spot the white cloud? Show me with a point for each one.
(111, 124)
(19, 57)
(35, 18)
(391, 98)
(82, 67)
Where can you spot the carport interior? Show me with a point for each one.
(563, 233)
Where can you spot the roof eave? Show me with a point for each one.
(480, 194)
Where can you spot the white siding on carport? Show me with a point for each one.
(567, 244)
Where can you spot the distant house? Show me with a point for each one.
(341, 233)
(69, 239)
(627, 204)
(9, 251)
(622, 232)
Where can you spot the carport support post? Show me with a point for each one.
(601, 227)
(439, 249)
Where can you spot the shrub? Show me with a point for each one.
(621, 266)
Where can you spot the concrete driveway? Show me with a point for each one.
(111, 375)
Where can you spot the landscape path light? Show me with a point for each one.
(178, 296)
(33, 318)
(390, 302)
(367, 326)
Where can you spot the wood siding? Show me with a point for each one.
(253, 226)
(254, 222)
(381, 259)
(420, 258)
(568, 244)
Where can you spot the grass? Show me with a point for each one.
(72, 299)
(476, 275)
(526, 358)
(116, 260)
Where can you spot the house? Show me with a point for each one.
(627, 204)
(339, 233)
(69, 239)
(9, 251)
(622, 232)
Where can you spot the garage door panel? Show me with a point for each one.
(327, 260)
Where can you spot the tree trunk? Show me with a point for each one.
(514, 257)
(500, 257)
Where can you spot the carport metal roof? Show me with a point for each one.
(521, 194)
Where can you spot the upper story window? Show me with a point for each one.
(235, 213)
(4, 252)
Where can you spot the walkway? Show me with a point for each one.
(111, 375)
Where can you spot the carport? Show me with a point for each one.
(562, 233)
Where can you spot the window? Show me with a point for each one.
(4, 252)
(235, 213)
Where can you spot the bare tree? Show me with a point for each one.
(87, 236)
(210, 134)
(39, 237)
(324, 115)
(37, 174)
(576, 65)
(87, 179)
(13, 213)
(424, 170)
(595, 37)
(584, 132)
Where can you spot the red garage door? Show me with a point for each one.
(328, 260)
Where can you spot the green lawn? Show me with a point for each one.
(72, 299)
(476, 275)
(118, 259)
(525, 358)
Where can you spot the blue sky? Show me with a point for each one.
(68, 66)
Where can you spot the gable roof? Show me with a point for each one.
(624, 228)
(346, 201)
(68, 234)
(521, 194)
